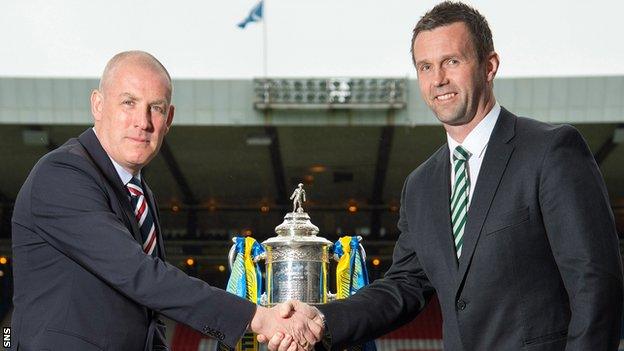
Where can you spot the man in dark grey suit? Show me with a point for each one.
(509, 223)
(89, 260)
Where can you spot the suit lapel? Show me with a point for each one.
(90, 142)
(494, 163)
(439, 204)
(152, 205)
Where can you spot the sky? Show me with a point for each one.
(199, 39)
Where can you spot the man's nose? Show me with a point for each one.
(439, 77)
(143, 120)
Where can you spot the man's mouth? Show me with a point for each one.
(139, 140)
(445, 97)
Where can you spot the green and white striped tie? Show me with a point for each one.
(459, 198)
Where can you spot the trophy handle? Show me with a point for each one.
(332, 297)
(362, 251)
(232, 254)
(260, 257)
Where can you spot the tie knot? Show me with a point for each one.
(134, 187)
(460, 153)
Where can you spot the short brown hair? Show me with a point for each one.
(449, 12)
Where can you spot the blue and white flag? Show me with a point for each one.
(255, 15)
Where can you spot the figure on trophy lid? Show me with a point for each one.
(298, 197)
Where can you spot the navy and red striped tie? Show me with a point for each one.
(143, 215)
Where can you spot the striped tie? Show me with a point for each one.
(143, 215)
(459, 198)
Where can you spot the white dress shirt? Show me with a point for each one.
(475, 143)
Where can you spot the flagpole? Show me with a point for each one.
(264, 39)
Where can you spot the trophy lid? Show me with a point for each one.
(297, 226)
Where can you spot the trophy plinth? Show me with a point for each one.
(296, 259)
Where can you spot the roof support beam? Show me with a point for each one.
(277, 165)
(6, 212)
(608, 146)
(383, 158)
(187, 194)
(604, 150)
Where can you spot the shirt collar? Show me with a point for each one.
(478, 138)
(124, 175)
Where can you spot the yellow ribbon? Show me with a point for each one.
(248, 273)
(343, 269)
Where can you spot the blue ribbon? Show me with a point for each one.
(358, 277)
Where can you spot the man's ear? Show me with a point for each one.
(491, 66)
(96, 104)
(170, 117)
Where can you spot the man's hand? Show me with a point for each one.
(303, 329)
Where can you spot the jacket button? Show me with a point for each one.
(461, 304)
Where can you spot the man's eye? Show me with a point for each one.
(158, 109)
(128, 102)
(425, 68)
(453, 62)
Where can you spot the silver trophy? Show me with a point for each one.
(297, 260)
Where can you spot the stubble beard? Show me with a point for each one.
(452, 115)
(465, 110)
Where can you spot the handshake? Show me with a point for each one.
(288, 326)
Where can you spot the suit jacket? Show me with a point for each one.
(82, 280)
(540, 267)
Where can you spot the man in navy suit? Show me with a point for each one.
(509, 222)
(89, 260)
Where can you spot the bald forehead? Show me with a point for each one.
(137, 59)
